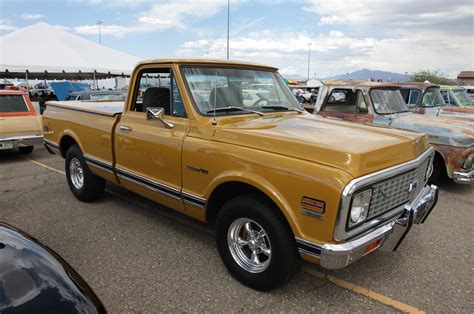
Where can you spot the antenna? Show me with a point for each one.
(214, 122)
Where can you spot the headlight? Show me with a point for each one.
(468, 163)
(360, 207)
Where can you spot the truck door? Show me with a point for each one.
(148, 152)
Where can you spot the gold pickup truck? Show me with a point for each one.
(277, 183)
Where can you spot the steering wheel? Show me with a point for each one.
(261, 100)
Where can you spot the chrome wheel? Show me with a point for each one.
(76, 173)
(249, 245)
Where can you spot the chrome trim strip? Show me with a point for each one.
(25, 137)
(99, 163)
(148, 183)
(340, 232)
(52, 144)
(193, 200)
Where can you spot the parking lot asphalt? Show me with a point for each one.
(141, 257)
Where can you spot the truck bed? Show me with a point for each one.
(105, 108)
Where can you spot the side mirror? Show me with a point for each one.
(158, 113)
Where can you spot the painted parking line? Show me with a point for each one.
(308, 270)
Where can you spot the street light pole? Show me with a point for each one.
(228, 26)
(99, 23)
(309, 57)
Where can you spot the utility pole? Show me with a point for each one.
(99, 23)
(309, 56)
(228, 26)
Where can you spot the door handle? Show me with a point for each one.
(124, 128)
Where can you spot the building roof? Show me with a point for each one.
(466, 74)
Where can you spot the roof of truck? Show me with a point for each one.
(420, 85)
(206, 62)
(359, 83)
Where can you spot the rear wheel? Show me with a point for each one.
(256, 243)
(25, 149)
(85, 185)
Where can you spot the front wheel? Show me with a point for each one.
(256, 243)
(85, 185)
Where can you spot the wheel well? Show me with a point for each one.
(226, 191)
(438, 158)
(66, 142)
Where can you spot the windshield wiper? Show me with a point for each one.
(282, 107)
(231, 108)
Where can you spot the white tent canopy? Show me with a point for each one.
(50, 52)
(313, 83)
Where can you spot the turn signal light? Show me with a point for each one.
(372, 246)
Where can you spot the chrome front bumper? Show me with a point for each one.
(464, 177)
(22, 141)
(386, 238)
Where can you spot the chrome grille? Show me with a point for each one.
(393, 192)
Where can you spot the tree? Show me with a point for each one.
(435, 77)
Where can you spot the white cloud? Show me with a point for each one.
(31, 16)
(338, 52)
(5, 25)
(113, 30)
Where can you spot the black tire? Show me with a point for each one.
(284, 261)
(439, 170)
(92, 187)
(26, 150)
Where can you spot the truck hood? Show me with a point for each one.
(456, 112)
(440, 130)
(20, 126)
(355, 148)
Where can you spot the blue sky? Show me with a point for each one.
(400, 36)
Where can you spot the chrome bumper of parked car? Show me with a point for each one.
(22, 141)
(464, 177)
(386, 238)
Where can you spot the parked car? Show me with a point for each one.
(277, 183)
(426, 98)
(20, 124)
(470, 91)
(456, 96)
(35, 279)
(97, 95)
(382, 104)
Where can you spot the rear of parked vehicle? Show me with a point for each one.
(20, 124)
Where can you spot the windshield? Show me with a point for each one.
(13, 103)
(387, 101)
(213, 88)
(432, 98)
(463, 98)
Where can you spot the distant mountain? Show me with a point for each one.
(366, 74)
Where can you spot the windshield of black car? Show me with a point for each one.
(432, 98)
(387, 101)
(219, 87)
(13, 103)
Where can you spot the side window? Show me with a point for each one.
(447, 99)
(341, 100)
(413, 98)
(157, 88)
(361, 105)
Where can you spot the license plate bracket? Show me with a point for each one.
(6, 145)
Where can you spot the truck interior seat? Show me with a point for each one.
(157, 97)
